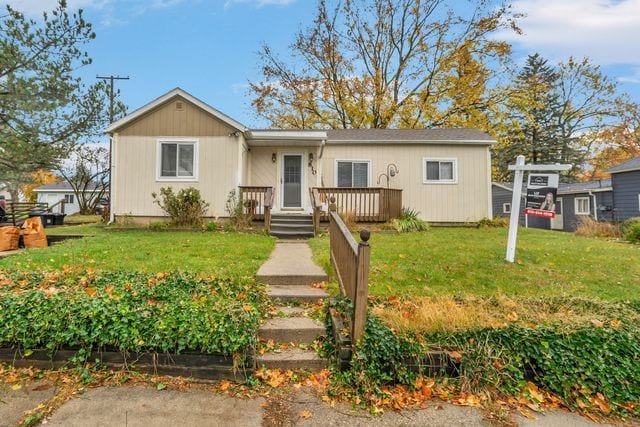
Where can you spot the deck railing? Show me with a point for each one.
(256, 202)
(351, 263)
(366, 204)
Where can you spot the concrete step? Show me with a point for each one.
(292, 234)
(293, 358)
(295, 293)
(291, 220)
(292, 279)
(286, 217)
(292, 311)
(288, 226)
(299, 330)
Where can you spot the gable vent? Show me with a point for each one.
(179, 106)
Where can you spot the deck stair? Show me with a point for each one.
(292, 278)
(292, 226)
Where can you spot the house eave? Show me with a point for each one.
(411, 142)
(623, 170)
(269, 138)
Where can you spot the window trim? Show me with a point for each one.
(504, 208)
(71, 197)
(452, 160)
(576, 204)
(179, 141)
(335, 171)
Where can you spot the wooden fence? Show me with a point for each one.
(17, 212)
(351, 263)
(257, 202)
(366, 204)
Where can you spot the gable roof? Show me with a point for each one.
(168, 96)
(567, 188)
(62, 186)
(433, 136)
(628, 166)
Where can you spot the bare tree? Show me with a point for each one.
(88, 175)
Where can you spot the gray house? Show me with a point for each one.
(625, 180)
(575, 201)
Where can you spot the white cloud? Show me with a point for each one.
(634, 77)
(605, 30)
(260, 3)
(37, 7)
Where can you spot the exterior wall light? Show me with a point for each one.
(273, 157)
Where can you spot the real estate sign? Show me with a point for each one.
(541, 195)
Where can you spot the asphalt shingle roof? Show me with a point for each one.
(409, 135)
(631, 164)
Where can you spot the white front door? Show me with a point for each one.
(557, 223)
(291, 181)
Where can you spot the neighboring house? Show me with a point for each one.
(625, 180)
(52, 194)
(179, 141)
(574, 201)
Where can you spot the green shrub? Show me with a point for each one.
(631, 230)
(185, 208)
(158, 225)
(128, 312)
(589, 227)
(409, 221)
(493, 223)
(574, 364)
(236, 210)
(212, 226)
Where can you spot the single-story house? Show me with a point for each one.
(625, 182)
(615, 199)
(54, 193)
(179, 141)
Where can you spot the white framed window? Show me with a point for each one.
(439, 171)
(68, 198)
(506, 208)
(353, 173)
(582, 206)
(177, 160)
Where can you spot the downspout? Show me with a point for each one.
(595, 205)
(320, 176)
(112, 176)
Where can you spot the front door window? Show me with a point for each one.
(292, 181)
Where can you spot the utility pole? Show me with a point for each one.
(111, 96)
(111, 79)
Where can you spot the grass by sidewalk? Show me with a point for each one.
(465, 261)
(222, 254)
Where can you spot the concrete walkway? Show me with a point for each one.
(291, 263)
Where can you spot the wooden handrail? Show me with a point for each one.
(61, 202)
(365, 204)
(316, 206)
(350, 261)
(257, 202)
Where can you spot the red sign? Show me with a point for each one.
(540, 213)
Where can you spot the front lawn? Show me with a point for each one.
(225, 255)
(469, 261)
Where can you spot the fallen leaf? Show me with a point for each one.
(247, 307)
(161, 386)
(527, 414)
(455, 355)
(597, 323)
(42, 387)
(16, 387)
(90, 291)
(305, 414)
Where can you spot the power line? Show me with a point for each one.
(111, 79)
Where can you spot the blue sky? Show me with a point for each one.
(208, 47)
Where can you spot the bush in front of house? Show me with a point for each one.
(185, 208)
(128, 312)
(631, 230)
(409, 221)
(493, 223)
(588, 227)
(589, 364)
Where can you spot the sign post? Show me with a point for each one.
(519, 169)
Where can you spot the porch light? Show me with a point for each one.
(310, 159)
(273, 157)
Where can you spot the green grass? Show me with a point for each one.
(465, 261)
(221, 254)
(82, 219)
(85, 229)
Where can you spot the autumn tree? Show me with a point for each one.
(557, 113)
(387, 63)
(45, 109)
(38, 178)
(88, 175)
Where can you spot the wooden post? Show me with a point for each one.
(332, 204)
(362, 286)
(515, 210)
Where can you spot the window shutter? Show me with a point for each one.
(361, 174)
(344, 174)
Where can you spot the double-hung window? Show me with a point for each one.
(177, 160)
(352, 173)
(440, 171)
(68, 198)
(582, 205)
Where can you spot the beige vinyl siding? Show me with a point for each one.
(167, 120)
(136, 173)
(467, 200)
(263, 172)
